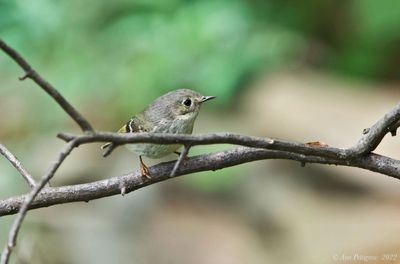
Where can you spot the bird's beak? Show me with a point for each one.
(206, 98)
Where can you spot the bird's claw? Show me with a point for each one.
(144, 170)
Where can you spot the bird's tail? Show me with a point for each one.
(108, 148)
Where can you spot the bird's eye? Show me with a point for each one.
(187, 102)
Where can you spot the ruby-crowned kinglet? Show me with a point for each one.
(174, 112)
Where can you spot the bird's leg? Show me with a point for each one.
(144, 171)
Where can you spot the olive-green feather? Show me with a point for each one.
(127, 128)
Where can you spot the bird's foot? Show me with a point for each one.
(144, 170)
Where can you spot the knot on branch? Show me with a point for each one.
(28, 74)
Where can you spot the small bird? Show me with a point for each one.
(173, 112)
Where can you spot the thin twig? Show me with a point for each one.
(17, 165)
(12, 237)
(204, 139)
(32, 74)
(181, 158)
(109, 149)
(373, 136)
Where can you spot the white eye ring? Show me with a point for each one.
(187, 102)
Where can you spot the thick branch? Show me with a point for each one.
(32, 74)
(133, 181)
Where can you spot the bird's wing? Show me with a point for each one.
(134, 125)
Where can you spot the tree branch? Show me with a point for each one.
(284, 149)
(160, 172)
(26, 202)
(50, 90)
(17, 165)
(373, 136)
(71, 111)
(204, 139)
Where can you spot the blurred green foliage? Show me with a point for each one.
(119, 49)
(130, 48)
